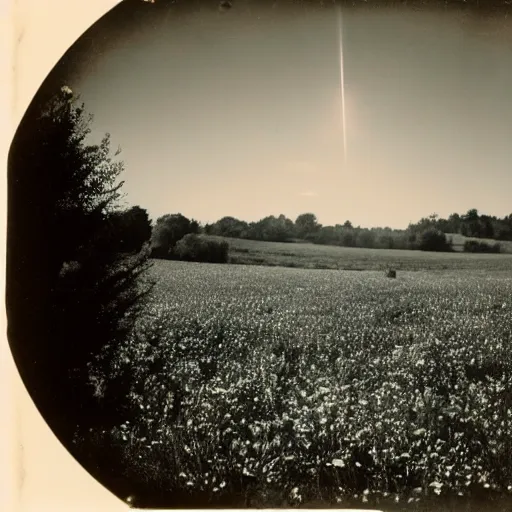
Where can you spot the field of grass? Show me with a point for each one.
(253, 385)
(304, 255)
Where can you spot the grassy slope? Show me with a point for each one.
(304, 255)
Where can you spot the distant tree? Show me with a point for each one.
(454, 223)
(386, 241)
(423, 224)
(229, 227)
(131, 229)
(287, 226)
(168, 230)
(475, 246)
(194, 248)
(502, 231)
(275, 229)
(471, 224)
(306, 224)
(195, 226)
(347, 224)
(486, 226)
(326, 235)
(505, 228)
(208, 229)
(444, 226)
(432, 239)
(471, 215)
(348, 238)
(365, 238)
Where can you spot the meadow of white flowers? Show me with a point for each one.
(318, 384)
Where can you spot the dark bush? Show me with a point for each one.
(66, 269)
(481, 247)
(194, 248)
(130, 229)
(432, 239)
(219, 251)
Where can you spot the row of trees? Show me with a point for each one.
(476, 246)
(427, 234)
(471, 224)
(270, 229)
(306, 227)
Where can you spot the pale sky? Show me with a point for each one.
(239, 113)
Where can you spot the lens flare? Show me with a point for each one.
(342, 87)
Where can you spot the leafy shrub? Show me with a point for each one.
(481, 247)
(432, 239)
(168, 230)
(194, 248)
(130, 229)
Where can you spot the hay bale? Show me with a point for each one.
(391, 273)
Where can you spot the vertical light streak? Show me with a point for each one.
(342, 87)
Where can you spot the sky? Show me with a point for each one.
(239, 112)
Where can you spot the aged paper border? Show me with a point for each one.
(37, 473)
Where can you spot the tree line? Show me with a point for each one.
(471, 224)
(175, 236)
(429, 234)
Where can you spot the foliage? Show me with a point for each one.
(272, 229)
(470, 224)
(131, 229)
(253, 381)
(475, 246)
(375, 238)
(432, 239)
(195, 248)
(169, 229)
(306, 225)
(230, 227)
(65, 270)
